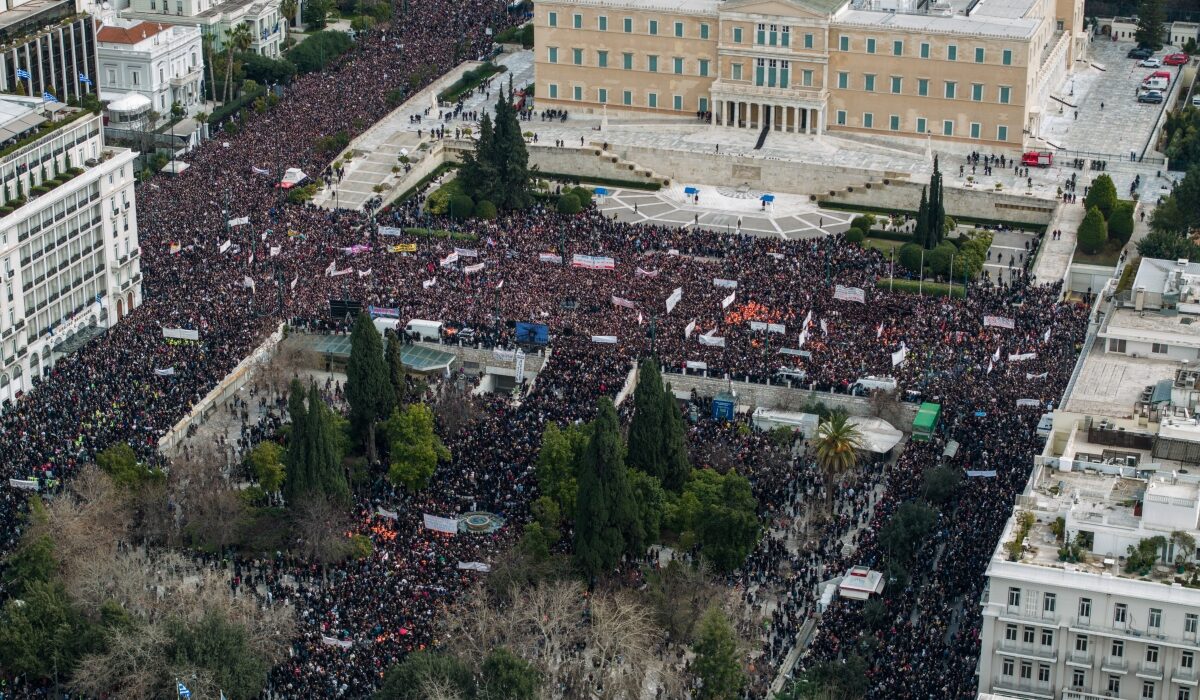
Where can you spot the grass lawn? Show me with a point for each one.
(881, 245)
(1107, 257)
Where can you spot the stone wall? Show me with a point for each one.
(960, 201)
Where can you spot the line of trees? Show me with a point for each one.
(1174, 221)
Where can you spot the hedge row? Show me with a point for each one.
(469, 81)
(225, 111)
(611, 182)
(843, 206)
(441, 233)
(420, 184)
(933, 289)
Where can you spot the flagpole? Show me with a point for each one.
(921, 283)
(892, 270)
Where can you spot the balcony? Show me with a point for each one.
(1023, 685)
(1080, 658)
(1032, 651)
(722, 90)
(190, 77)
(1150, 671)
(1081, 695)
(1114, 664)
(1184, 676)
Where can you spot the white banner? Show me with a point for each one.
(449, 260)
(339, 273)
(687, 331)
(728, 300)
(1043, 375)
(385, 513)
(623, 303)
(466, 252)
(593, 262)
(276, 250)
(824, 327)
(248, 282)
(503, 355)
(999, 322)
(899, 355)
(1022, 403)
(692, 364)
(712, 340)
(520, 368)
(295, 280)
(608, 339)
(364, 273)
(474, 566)
(728, 284)
(674, 298)
(776, 328)
(224, 246)
(329, 270)
(240, 221)
(168, 372)
(850, 294)
(335, 642)
(550, 258)
(446, 525)
(1022, 357)
(758, 325)
(645, 273)
(429, 283)
(24, 484)
(472, 269)
(181, 334)
(981, 473)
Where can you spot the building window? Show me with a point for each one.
(897, 48)
(843, 43)
(1187, 659)
(1043, 673)
(704, 31)
(578, 93)
(1119, 613)
(602, 96)
(977, 92)
(1049, 600)
(1190, 623)
(677, 102)
(1027, 635)
(1118, 649)
(627, 61)
(843, 80)
(975, 130)
(652, 64)
(921, 129)
(553, 91)
(1026, 671)
(1078, 679)
(551, 19)
(1007, 57)
(1155, 619)
(1005, 93)
(979, 54)
(702, 103)
(868, 120)
(552, 54)
(577, 56)
(951, 89)
(806, 78)
(1006, 668)
(760, 34)
(1147, 690)
(627, 97)
(704, 68)
(870, 46)
(1152, 655)
(678, 63)
(773, 35)
(1159, 349)
(869, 83)
(1047, 638)
(1115, 345)
(841, 117)
(760, 71)
(602, 23)
(737, 71)
(894, 122)
(924, 50)
(628, 25)
(808, 41)
(785, 36)
(951, 53)
(653, 27)
(1114, 685)
(679, 29)
(897, 85)
(737, 35)
(1184, 694)
(652, 100)
(923, 87)
(577, 21)
(1081, 643)
(947, 127)
(602, 59)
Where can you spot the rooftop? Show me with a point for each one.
(1110, 384)
(26, 16)
(704, 7)
(129, 31)
(996, 26)
(1151, 325)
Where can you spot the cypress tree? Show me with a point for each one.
(921, 232)
(937, 206)
(324, 460)
(646, 447)
(604, 507)
(395, 368)
(368, 389)
(299, 479)
(676, 465)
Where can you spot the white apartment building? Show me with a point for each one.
(1064, 616)
(69, 250)
(217, 19)
(161, 62)
(1159, 317)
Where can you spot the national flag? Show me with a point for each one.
(182, 690)
(491, 243)
(22, 74)
(84, 79)
(1046, 337)
(48, 97)
(879, 330)
(500, 285)
(996, 355)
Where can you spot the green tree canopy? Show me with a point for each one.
(368, 382)
(646, 451)
(415, 448)
(1102, 195)
(836, 446)
(395, 367)
(902, 534)
(941, 483)
(1150, 16)
(1168, 245)
(1093, 232)
(1120, 224)
(223, 647)
(557, 464)
(120, 463)
(677, 466)
(421, 671)
(509, 677)
(1180, 211)
(320, 48)
(719, 512)
(266, 463)
(313, 455)
(498, 169)
(605, 510)
(43, 634)
(717, 664)
(909, 257)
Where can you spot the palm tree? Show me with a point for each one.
(287, 8)
(237, 41)
(836, 445)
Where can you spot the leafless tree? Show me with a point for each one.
(454, 409)
(319, 530)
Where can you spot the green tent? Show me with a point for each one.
(926, 421)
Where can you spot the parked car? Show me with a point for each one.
(1140, 52)
(1196, 100)
(1154, 84)
(1176, 59)
(1151, 63)
(1151, 97)
(1164, 74)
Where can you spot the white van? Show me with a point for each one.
(1154, 84)
(871, 383)
(419, 329)
(383, 325)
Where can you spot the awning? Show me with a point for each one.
(690, 190)
(878, 435)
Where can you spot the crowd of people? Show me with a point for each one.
(358, 618)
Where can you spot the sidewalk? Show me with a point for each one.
(1054, 259)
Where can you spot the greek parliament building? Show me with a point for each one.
(975, 71)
